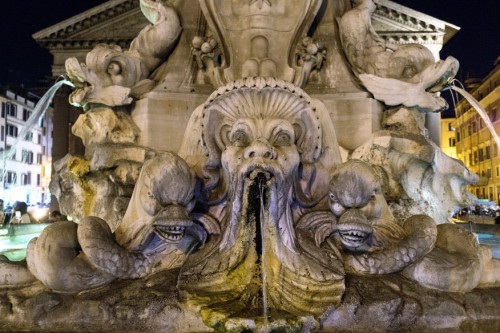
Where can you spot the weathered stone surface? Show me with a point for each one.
(256, 224)
(164, 117)
(83, 193)
(392, 303)
(103, 125)
(344, 108)
(491, 267)
(417, 176)
(454, 264)
(112, 76)
(107, 156)
(371, 304)
(143, 305)
(395, 74)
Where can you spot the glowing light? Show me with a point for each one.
(40, 213)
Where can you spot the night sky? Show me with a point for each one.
(22, 61)
(477, 44)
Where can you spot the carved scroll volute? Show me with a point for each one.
(258, 37)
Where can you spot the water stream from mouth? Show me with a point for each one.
(38, 111)
(479, 109)
(262, 217)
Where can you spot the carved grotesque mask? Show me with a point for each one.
(259, 134)
(356, 200)
(260, 146)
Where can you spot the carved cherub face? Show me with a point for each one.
(356, 200)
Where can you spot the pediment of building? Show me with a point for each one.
(400, 24)
(119, 21)
(116, 21)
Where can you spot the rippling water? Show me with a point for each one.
(14, 247)
(491, 241)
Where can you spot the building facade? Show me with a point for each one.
(25, 145)
(448, 138)
(476, 146)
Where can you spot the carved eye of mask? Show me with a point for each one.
(148, 202)
(282, 139)
(240, 138)
(335, 206)
(372, 209)
(114, 68)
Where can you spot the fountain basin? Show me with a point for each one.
(492, 241)
(15, 238)
(486, 234)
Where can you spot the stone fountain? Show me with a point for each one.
(256, 166)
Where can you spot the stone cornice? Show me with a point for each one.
(411, 37)
(64, 34)
(77, 44)
(414, 21)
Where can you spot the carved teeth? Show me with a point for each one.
(170, 228)
(355, 233)
(354, 237)
(171, 233)
(174, 237)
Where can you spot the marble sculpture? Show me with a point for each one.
(260, 220)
